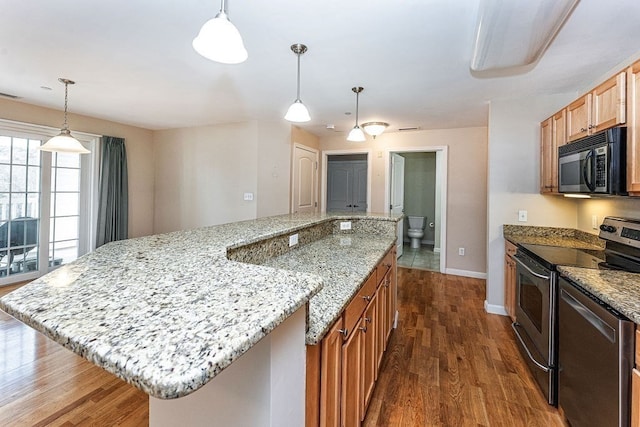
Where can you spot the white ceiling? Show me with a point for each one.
(133, 61)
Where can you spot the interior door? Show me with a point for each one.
(339, 187)
(304, 188)
(359, 187)
(397, 195)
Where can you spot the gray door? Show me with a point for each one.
(347, 186)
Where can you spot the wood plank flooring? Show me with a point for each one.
(448, 364)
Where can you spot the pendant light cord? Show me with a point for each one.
(223, 7)
(298, 89)
(66, 98)
(357, 106)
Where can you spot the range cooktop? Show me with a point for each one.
(552, 256)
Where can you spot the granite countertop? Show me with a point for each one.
(619, 289)
(169, 312)
(551, 236)
(344, 262)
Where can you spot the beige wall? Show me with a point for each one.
(628, 207)
(466, 190)
(203, 172)
(139, 147)
(303, 137)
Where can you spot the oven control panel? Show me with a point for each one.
(621, 230)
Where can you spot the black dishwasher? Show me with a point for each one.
(596, 356)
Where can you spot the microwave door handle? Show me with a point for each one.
(588, 161)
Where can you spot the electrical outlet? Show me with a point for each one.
(293, 240)
(461, 251)
(345, 225)
(594, 222)
(248, 196)
(522, 216)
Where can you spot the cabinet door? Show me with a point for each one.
(609, 104)
(369, 354)
(635, 398)
(546, 156)
(391, 302)
(510, 286)
(578, 118)
(382, 321)
(331, 376)
(352, 378)
(633, 129)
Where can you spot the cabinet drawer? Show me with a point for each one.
(509, 248)
(384, 266)
(359, 302)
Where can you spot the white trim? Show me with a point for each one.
(442, 160)
(436, 250)
(466, 273)
(325, 160)
(292, 184)
(495, 309)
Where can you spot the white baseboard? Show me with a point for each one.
(495, 309)
(466, 273)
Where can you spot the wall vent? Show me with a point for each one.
(8, 95)
(411, 128)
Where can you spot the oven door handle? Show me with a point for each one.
(544, 368)
(541, 276)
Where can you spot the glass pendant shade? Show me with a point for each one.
(64, 143)
(297, 112)
(356, 135)
(219, 40)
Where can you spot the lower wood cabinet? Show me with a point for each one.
(344, 366)
(510, 277)
(635, 385)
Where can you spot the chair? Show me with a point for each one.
(22, 237)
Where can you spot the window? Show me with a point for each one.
(46, 202)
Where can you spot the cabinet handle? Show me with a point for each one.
(366, 298)
(592, 127)
(583, 129)
(388, 265)
(367, 319)
(363, 329)
(387, 282)
(344, 332)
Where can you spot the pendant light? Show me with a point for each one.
(219, 40)
(64, 142)
(356, 134)
(374, 128)
(298, 112)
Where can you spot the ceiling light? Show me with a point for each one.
(297, 112)
(511, 34)
(374, 128)
(64, 142)
(356, 134)
(219, 40)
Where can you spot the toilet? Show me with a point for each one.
(416, 230)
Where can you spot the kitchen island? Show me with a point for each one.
(168, 313)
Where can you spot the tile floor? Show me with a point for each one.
(423, 258)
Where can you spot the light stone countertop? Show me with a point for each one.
(344, 262)
(619, 289)
(169, 312)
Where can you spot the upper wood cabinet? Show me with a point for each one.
(602, 108)
(553, 133)
(633, 129)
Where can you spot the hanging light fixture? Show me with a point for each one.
(298, 112)
(64, 142)
(356, 134)
(219, 40)
(374, 128)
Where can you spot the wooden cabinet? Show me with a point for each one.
(342, 370)
(633, 129)
(553, 133)
(635, 385)
(602, 108)
(510, 278)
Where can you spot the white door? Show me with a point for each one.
(397, 195)
(304, 186)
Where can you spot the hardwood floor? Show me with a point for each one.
(451, 364)
(448, 364)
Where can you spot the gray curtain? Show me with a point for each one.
(113, 218)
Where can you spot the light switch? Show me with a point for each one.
(248, 196)
(522, 216)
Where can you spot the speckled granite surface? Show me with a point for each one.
(619, 289)
(344, 262)
(551, 236)
(168, 312)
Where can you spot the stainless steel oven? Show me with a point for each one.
(535, 325)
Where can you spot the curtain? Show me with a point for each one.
(113, 196)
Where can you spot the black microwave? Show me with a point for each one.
(595, 164)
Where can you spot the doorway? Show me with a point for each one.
(346, 182)
(422, 196)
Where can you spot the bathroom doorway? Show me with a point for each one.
(423, 230)
(346, 181)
